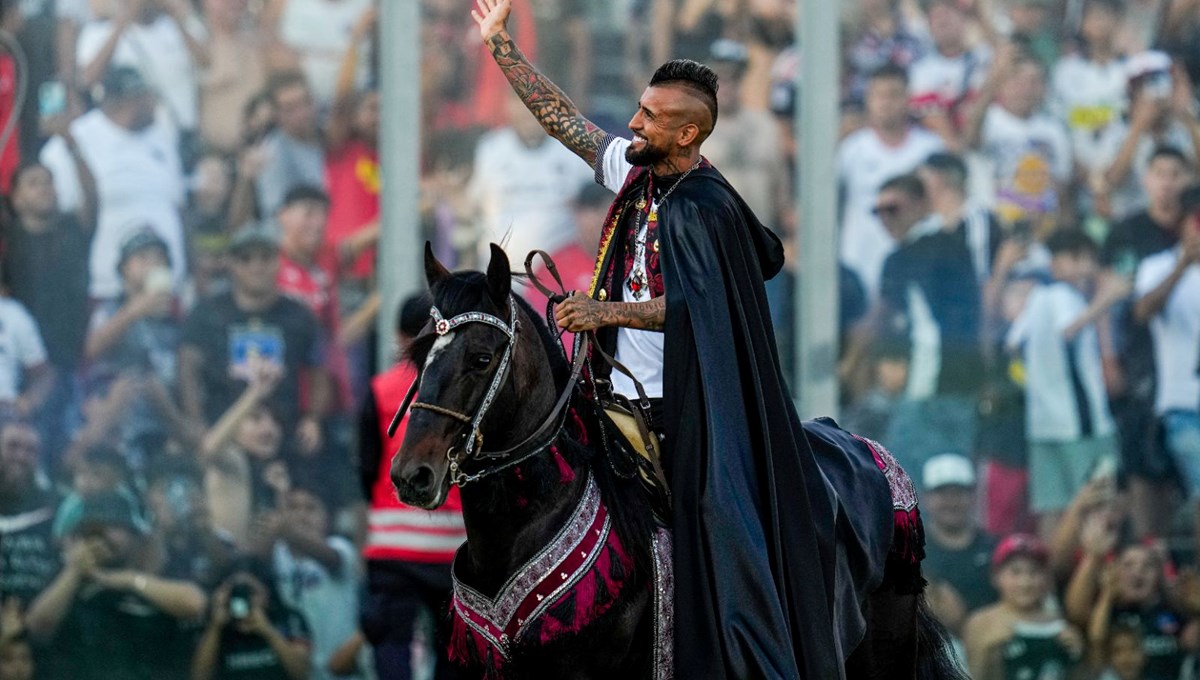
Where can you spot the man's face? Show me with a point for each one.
(887, 102)
(898, 211)
(259, 434)
(295, 111)
(367, 117)
(302, 225)
(654, 126)
(1025, 89)
(1165, 180)
(253, 270)
(307, 512)
(19, 448)
(34, 193)
(142, 108)
(1138, 576)
(951, 507)
(1099, 25)
(947, 26)
(139, 265)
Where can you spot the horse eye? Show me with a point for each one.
(481, 360)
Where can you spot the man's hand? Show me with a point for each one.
(579, 313)
(492, 17)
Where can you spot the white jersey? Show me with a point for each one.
(640, 351)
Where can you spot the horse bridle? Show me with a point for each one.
(541, 439)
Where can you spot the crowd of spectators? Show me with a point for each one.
(191, 449)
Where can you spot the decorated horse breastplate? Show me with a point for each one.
(569, 584)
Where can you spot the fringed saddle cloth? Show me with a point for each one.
(570, 584)
(908, 540)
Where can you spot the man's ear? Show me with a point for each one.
(688, 135)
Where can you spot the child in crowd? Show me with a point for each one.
(1069, 428)
(1021, 636)
(1121, 654)
(318, 573)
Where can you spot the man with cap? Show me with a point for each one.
(134, 156)
(957, 550)
(107, 614)
(254, 319)
(136, 336)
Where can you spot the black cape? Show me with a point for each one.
(781, 528)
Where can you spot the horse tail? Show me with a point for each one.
(936, 659)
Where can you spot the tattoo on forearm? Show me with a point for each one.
(549, 104)
(643, 316)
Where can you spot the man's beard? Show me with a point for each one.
(646, 156)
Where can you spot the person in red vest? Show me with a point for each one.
(408, 550)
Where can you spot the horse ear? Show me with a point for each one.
(434, 270)
(499, 276)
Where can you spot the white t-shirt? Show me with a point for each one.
(864, 163)
(329, 604)
(640, 351)
(1089, 97)
(1176, 332)
(937, 82)
(20, 347)
(1032, 156)
(159, 52)
(525, 194)
(1052, 411)
(321, 31)
(140, 182)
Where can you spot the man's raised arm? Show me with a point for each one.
(549, 104)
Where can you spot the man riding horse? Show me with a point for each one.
(780, 529)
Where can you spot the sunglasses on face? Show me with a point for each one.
(886, 210)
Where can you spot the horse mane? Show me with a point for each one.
(626, 500)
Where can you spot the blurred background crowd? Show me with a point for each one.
(191, 450)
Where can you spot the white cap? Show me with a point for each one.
(1145, 63)
(948, 469)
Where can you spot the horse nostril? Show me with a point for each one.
(423, 479)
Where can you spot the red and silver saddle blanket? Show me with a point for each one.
(571, 583)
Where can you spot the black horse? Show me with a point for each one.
(565, 572)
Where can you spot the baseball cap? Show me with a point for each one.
(948, 469)
(1020, 545)
(121, 82)
(139, 240)
(253, 236)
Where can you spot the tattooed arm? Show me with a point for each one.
(582, 313)
(549, 104)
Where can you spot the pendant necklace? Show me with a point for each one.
(637, 277)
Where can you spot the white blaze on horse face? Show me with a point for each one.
(439, 346)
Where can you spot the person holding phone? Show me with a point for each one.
(251, 634)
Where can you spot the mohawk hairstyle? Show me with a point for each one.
(696, 77)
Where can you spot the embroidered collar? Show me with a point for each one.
(540, 582)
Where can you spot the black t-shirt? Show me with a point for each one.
(29, 557)
(48, 273)
(226, 336)
(1134, 239)
(966, 570)
(1161, 628)
(939, 266)
(111, 635)
(250, 657)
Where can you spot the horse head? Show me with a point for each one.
(482, 379)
